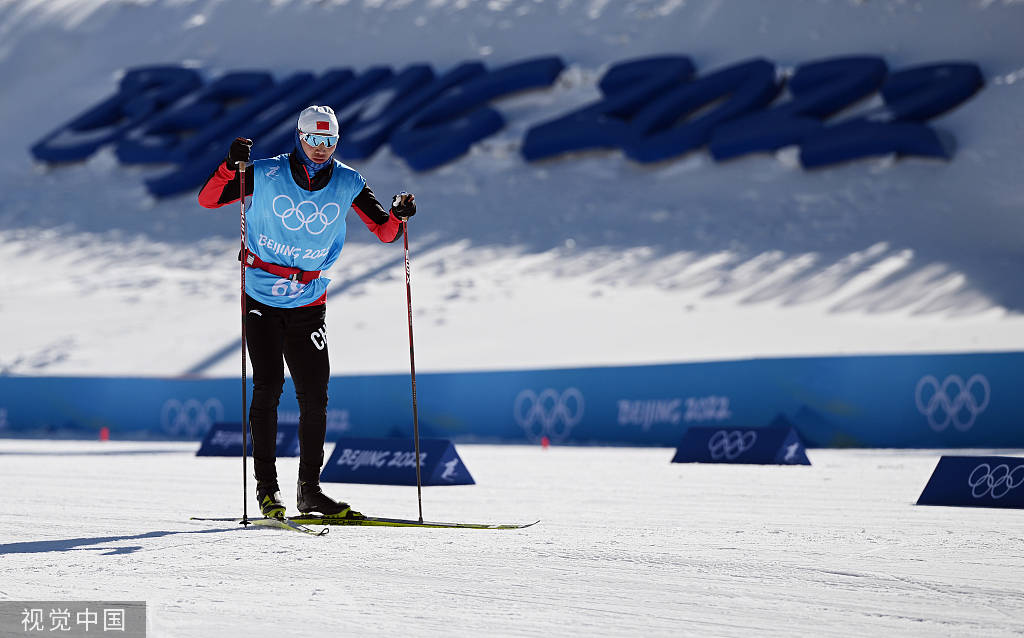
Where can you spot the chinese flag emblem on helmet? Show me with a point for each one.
(315, 119)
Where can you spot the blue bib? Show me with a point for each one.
(290, 226)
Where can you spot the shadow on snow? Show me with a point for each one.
(75, 544)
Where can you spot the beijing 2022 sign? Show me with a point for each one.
(652, 109)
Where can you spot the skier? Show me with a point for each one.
(295, 228)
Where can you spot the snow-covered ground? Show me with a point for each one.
(629, 544)
(585, 260)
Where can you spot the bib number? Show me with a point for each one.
(286, 288)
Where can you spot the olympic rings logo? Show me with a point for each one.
(550, 413)
(995, 481)
(952, 401)
(728, 445)
(190, 418)
(306, 214)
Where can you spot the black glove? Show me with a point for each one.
(403, 204)
(239, 152)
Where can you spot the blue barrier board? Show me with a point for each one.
(928, 401)
(225, 439)
(392, 461)
(766, 446)
(976, 481)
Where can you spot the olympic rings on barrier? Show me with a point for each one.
(952, 401)
(549, 413)
(997, 481)
(190, 418)
(307, 215)
(729, 444)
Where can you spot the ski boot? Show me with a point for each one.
(268, 495)
(310, 498)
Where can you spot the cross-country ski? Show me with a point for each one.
(284, 523)
(372, 521)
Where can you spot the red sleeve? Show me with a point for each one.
(222, 187)
(383, 224)
(387, 232)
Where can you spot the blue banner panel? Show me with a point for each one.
(976, 481)
(225, 439)
(133, 408)
(765, 446)
(931, 401)
(390, 461)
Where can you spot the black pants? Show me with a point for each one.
(298, 336)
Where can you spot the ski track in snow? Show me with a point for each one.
(628, 544)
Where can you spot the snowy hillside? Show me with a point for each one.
(583, 260)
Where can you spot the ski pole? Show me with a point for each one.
(245, 398)
(412, 369)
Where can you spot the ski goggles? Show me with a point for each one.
(319, 139)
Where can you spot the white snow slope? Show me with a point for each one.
(585, 260)
(628, 545)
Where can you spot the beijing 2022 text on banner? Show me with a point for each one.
(941, 401)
